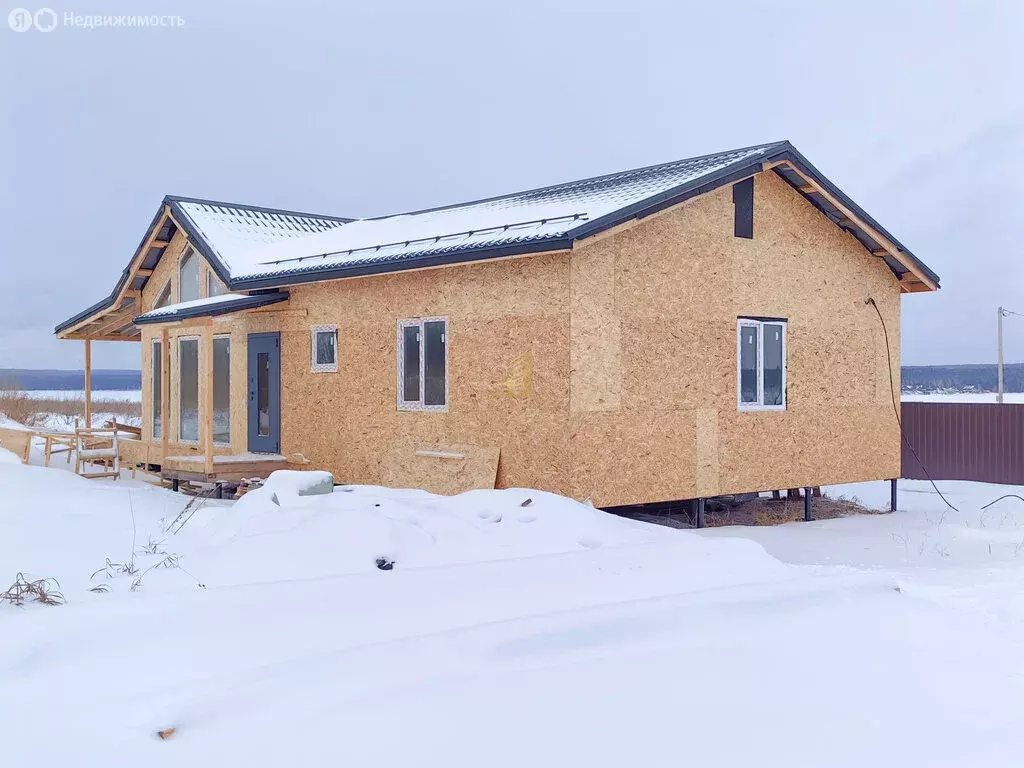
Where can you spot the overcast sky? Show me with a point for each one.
(914, 109)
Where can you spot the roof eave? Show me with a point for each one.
(789, 154)
(254, 301)
(107, 302)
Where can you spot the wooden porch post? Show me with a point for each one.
(208, 427)
(88, 384)
(165, 391)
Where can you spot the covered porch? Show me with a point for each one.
(189, 431)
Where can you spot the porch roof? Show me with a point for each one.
(224, 304)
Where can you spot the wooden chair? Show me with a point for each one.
(58, 443)
(97, 446)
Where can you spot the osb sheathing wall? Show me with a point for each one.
(508, 347)
(608, 373)
(167, 269)
(654, 412)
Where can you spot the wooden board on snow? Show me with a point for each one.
(443, 469)
(17, 441)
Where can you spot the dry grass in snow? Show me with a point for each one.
(64, 411)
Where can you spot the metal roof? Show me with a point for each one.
(538, 219)
(219, 231)
(545, 219)
(252, 248)
(224, 304)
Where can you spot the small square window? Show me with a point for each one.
(325, 349)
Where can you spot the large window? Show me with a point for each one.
(188, 389)
(188, 275)
(222, 389)
(325, 348)
(761, 364)
(214, 287)
(158, 389)
(423, 364)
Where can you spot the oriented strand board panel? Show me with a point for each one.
(167, 270)
(443, 469)
(707, 470)
(508, 362)
(595, 353)
(681, 281)
(607, 373)
(17, 441)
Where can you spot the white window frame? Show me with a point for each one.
(199, 395)
(759, 324)
(324, 367)
(230, 352)
(157, 403)
(418, 405)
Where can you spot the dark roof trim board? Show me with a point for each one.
(253, 301)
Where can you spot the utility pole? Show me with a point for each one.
(999, 336)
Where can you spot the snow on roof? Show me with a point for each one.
(209, 307)
(233, 231)
(542, 214)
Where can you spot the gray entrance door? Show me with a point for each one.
(264, 392)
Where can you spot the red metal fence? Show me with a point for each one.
(964, 441)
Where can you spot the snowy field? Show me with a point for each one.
(64, 410)
(507, 633)
(78, 396)
(962, 397)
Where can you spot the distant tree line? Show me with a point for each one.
(969, 378)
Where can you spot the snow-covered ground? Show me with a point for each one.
(506, 633)
(961, 397)
(73, 395)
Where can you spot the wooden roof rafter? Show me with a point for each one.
(914, 280)
(126, 300)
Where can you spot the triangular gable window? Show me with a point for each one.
(165, 297)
